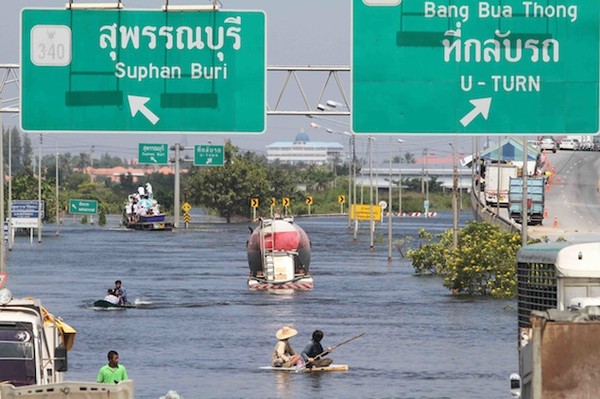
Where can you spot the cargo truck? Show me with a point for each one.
(535, 200)
(33, 355)
(497, 180)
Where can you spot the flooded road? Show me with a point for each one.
(199, 331)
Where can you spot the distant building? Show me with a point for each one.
(302, 150)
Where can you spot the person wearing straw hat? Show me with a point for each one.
(283, 354)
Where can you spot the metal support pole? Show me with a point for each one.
(390, 208)
(355, 235)
(371, 229)
(40, 191)
(56, 192)
(524, 210)
(176, 199)
(2, 244)
(454, 197)
(350, 181)
(10, 227)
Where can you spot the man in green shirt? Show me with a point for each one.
(112, 372)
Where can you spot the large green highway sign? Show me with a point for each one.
(467, 66)
(143, 70)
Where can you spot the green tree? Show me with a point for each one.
(483, 262)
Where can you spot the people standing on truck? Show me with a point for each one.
(113, 372)
(121, 292)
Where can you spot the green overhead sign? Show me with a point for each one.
(143, 70)
(155, 154)
(209, 155)
(498, 66)
(83, 207)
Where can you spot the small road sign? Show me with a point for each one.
(273, 202)
(186, 207)
(341, 199)
(309, 200)
(363, 212)
(83, 207)
(254, 202)
(209, 155)
(285, 201)
(155, 154)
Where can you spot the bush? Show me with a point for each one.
(483, 263)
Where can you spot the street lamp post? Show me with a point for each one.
(400, 141)
(351, 169)
(454, 196)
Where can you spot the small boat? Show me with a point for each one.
(331, 367)
(101, 303)
(279, 256)
(142, 212)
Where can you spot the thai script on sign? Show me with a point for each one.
(500, 48)
(183, 37)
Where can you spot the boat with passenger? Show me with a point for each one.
(142, 212)
(279, 253)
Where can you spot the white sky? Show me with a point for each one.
(299, 33)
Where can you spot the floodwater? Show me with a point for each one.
(200, 332)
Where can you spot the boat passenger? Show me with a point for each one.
(112, 297)
(283, 354)
(313, 353)
(121, 292)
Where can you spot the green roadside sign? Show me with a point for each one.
(143, 71)
(83, 207)
(209, 155)
(155, 154)
(475, 67)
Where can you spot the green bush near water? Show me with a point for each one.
(483, 262)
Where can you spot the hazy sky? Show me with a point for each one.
(299, 33)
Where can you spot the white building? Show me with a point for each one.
(302, 150)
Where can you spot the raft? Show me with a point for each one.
(331, 367)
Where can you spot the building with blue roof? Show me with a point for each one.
(304, 151)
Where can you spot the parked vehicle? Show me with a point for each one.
(548, 143)
(569, 144)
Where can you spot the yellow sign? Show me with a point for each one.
(254, 202)
(285, 201)
(363, 212)
(309, 200)
(273, 202)
(341, 199)
(186, 217)
(186, 207)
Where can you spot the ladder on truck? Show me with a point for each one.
(267, 248)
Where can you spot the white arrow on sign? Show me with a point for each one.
(138, 103)
(481, 106)
(208, 160)
(73, 206)
(153, 159)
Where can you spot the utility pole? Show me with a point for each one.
(390, 208)
(176, 199)
(454, 197)
(371, 229)
(2, 244)
(40, 191)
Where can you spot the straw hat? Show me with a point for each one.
(285, 332)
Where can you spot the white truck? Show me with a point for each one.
(33, 355)
(497, 182)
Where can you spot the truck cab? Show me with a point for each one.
(33, 343)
